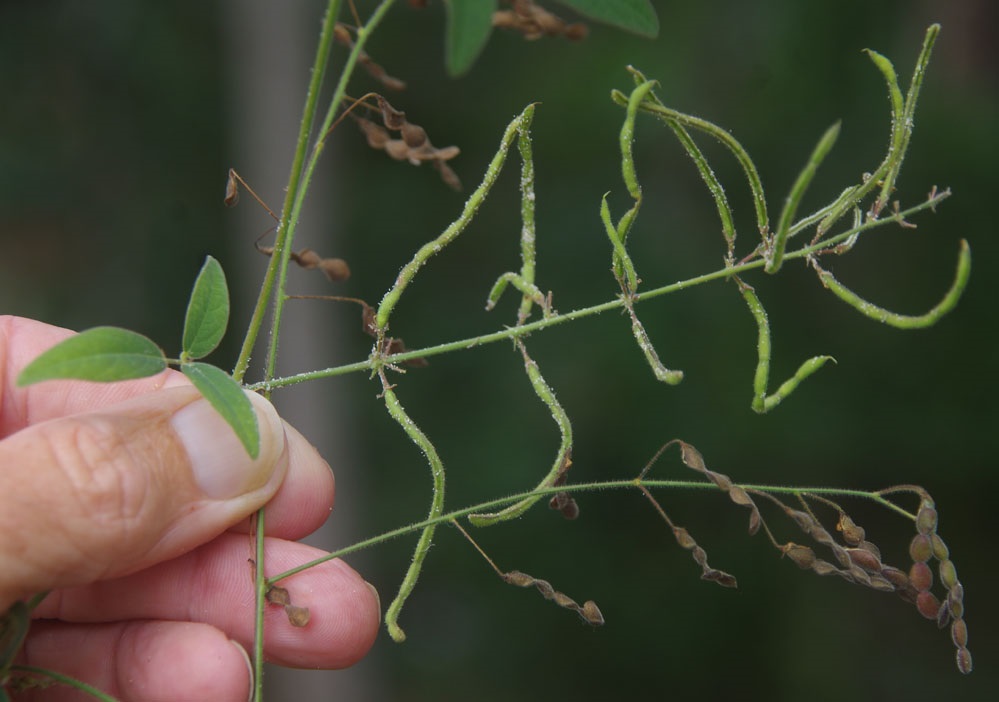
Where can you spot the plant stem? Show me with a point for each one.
(615, 304)
(538, 493)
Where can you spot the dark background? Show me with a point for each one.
(117, 128)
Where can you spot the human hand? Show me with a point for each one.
(129, 502)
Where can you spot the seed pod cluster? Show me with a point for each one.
(692, 458)
(535, 22)
(343, 36)
(335, 269)
(297, 616)
(589, 611)
(926, 546)
(413, 145)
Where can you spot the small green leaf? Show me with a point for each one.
(207, 312)
(469, 24)
(229, 400)
(636, 16)
(101, 354)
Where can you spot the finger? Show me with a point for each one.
(305, 498)
(21, 340)
(141, 661)
(214, 585)
(103, 494)
(301, 505)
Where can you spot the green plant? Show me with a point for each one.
(856, 560)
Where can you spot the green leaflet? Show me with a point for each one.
(469, 24)
(101, 354)
(229, 400)
(207, 312)
(636, 16)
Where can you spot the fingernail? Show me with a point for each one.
(220, 463)
(378, 600)
(249, 666)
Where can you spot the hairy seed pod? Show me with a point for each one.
(926, 519)
(683, 538)
(964, 660)
(700, 556)
(955, 605)
(804, 520)
(940, 550)
(865, 559)
(881, 584)
(821, 567)
(278, 595)
(335, 269)
(591, 613)
(928, 605)
(563, 600)
(895, 576)
(943, 615)
(852, 534)
(739, 496)
(920, 548)
(518, 579)
(870, 547)
(921, 576)
(803, 556)
(959, 633)
(297, 616)
(948, 574)
(956, 593)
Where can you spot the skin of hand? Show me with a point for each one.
(130, 503)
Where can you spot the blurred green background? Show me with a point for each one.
(119, 121)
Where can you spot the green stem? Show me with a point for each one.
(616, 304)
(539, 493)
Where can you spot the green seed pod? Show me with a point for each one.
(920, 548)
(928, 605)
(940, 550)
(956, 603)
(926, 519)
(948, 574)
(964, 660)
(959, 633)
(921, 576)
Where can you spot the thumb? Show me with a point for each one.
(98, 495)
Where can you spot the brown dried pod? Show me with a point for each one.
(803, 556)
(926, 518)
(231, 190)
(928, 604)
(739, 496)
(921, 576)
(947, 573)
(591, 613)
(392, 118)
(959, 633)
(376, 135)
(964, 660)
(691, 457)
(821, 567)
(448, 175)
(683, 538)
(335, 269)
(943, 614)
(719, 576)
(307, 258)
(865, 559)
(414, 135)
(297, 616)
(517, 578)
(920, 548)
(804, 520)
(880, 583)
(852, 534)
(871, 548)
(896, 577)
(278, 595)
(397, 149)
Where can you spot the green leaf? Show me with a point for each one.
(229, 400)
(469, 24)
(207, 312)
(101, 354)
(636, 16)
